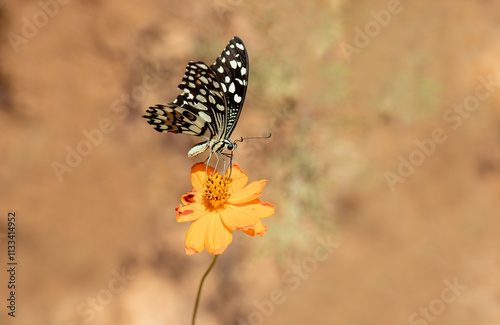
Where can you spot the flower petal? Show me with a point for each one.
(264, 209)
(238, 179)
(189, 212)
(248, 193)
(195, 236)
(217, 236)
(237, 217)
(259, 230)
(246, 216)
(198, 175)
(191, 197)
(257, 208)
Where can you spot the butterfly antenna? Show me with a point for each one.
(231, 155)
(252, 138)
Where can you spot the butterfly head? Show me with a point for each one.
(223, 145)
(231, 145)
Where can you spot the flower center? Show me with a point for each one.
(216, 189)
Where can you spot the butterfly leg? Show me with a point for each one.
(207, 162)
(217, 163)
(229, 165)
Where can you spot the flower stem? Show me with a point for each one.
(199, 288)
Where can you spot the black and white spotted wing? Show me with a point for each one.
(210, 103)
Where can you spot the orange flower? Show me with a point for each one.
(218, 205)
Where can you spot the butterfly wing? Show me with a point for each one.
(199, 108)
(211, 100)
(231, 69)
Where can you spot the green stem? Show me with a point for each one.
(199, 288)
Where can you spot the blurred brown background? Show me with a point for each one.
(353, 92)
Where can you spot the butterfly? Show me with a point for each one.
(211, 101)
